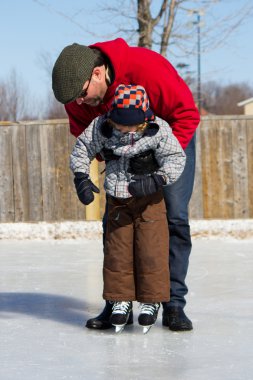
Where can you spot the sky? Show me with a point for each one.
(33, 29)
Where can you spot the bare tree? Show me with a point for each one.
(169, 26)
(147, 23)
(55, 110)
(222, 100)
(13, 98)
(3, 110)
(165, 25)
(16, 102)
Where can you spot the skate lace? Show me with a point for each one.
(120, 307)
(149, 308)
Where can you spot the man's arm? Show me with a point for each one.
(184, 117)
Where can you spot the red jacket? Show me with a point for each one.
(170, 97)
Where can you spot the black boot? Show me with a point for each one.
(175, 318)
(102, 321)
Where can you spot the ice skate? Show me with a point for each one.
(148, 315)
(120, 314)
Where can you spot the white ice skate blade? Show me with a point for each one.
(119, 328)
(146, 329)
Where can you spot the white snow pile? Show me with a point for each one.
(44, 230)
(236, 229)
(225, 228)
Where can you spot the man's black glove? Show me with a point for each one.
(143, 163)
(109, 155)
(85, 188)
(141, 185)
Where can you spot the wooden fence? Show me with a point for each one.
(36, 183)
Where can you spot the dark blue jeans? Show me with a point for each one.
(177, 198)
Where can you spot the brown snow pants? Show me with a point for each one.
(136, 256)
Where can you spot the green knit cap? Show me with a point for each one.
(72, 69)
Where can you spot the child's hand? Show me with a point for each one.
(141, 185)
(85, 188)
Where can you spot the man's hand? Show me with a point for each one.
(143, 163)
(85, 188)
(142, 185)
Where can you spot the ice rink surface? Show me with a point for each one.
(48, 289)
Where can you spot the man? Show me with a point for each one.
(84, 79)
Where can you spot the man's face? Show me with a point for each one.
(94, 89)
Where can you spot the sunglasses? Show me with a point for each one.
(84, 93)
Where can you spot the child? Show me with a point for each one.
(136, 244)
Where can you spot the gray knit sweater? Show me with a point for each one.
(157, 136)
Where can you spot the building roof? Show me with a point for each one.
(244, 102)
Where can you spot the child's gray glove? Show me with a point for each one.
(85, 188)
(142, 185)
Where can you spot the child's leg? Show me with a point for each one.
(118, 258)
(151, 251)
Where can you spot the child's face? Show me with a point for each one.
(125, 128)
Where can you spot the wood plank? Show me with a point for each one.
(196, 203)
(20, 174)
(224, 169)
(249, 124)
(240, 169)
(34, 172)
(205, 164)
(6, 176)
(62, 172)
(48, 171)
(209, 169)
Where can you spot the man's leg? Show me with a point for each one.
(177, 197)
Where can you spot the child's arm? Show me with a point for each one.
(87, 145)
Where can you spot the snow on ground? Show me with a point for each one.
(236, 229)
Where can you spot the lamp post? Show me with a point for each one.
(199, 95)
(199, 64)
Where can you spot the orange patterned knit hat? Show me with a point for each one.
(130, 105)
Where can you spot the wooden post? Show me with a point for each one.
(93, 209)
